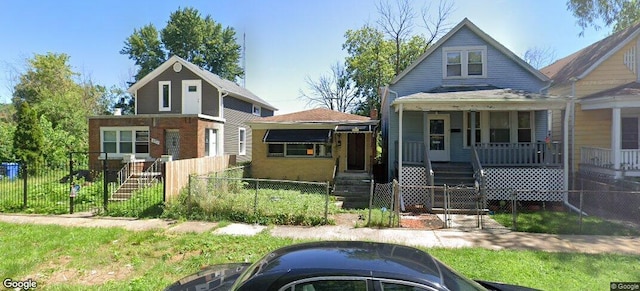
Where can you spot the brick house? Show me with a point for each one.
(183, 111)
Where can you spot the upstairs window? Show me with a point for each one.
(164, 95)
(256, 110)
(242, 141)
(464, 62)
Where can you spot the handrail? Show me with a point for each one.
(335, 171)
(430, 174)
(124, 174)
(151, 172)
(478, 174)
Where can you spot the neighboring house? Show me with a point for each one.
(307, 145)
(183, 111)
(469, 96)
(603, 78)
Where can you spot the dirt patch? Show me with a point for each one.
(420, 221)
(348, 219)
(57, 272)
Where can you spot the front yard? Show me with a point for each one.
(56, 258)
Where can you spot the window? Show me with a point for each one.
(192, 88)
(164, 95)
(331, 284)
(499, 127)
(256, 110)
(477, 126)
(210, 142)
(242, 141)
(125, 140)
(464, 62)
(524, 126)
(299, 150)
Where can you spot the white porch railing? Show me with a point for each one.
(603, 158)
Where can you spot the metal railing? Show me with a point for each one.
(430, 176)
(478, 173)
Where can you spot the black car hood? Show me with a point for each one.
(216, 277)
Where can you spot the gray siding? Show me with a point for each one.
(148, 100)
(234, 120)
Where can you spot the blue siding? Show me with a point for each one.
(502, 72)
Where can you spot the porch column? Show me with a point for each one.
(473, 128)
(400, 145)
(616, 141)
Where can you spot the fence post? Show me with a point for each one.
(24, 185)
(371, 203)
(514, 210)
(581, 195)
(189, 195)
(105, 185)
(326, 205)
(255, 201)
(71, 194)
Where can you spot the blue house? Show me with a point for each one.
(470, 105)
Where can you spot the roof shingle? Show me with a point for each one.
(318, 115)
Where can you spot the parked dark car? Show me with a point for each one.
(337, 265)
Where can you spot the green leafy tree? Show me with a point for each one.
(594, 13)
(197, 39)
(28, 138)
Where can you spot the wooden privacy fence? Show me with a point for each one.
(177, 172)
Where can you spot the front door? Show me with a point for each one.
(355, 151)
(438, 137)
(191, 96)
(172, 143)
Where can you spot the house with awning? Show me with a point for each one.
(470, 112)
(313, 145)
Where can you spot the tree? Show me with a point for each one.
(28, 137)
(539, 57)
(188, 35)
(376, 54)
(336, 91)
(619, 13)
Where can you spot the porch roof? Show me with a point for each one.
(478, 98)
(624, 96)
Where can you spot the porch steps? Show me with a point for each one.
(133, 183)
(353, 189)
(452, 175)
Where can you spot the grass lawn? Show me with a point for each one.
(57, 259)
(557, 222)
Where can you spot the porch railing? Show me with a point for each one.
(520, 154)
(430, 176)
(603, 158)
(413, 152)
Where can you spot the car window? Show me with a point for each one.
(333, 285)
(400, 287)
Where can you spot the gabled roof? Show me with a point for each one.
(318, 115)
(584, 61)
(468, 24)
(221, 84)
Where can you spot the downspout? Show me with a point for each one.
(569, 120)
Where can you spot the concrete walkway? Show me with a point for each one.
(495, 239)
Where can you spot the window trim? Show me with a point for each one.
(255, 108)
(242, 145)
(119, 129)
(485, 126)
(464, 61)
(315, 155)
(212, 144)
(161, 97)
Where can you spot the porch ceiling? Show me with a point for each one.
(481, 100)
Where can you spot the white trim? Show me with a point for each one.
(609, 54)
(464, 61)
(161, 84)
(608, 102)
(316, 151)
(242, 145)
(466, 22)
(616, 139)
(118, 129)
(253, 110)
(445, 154)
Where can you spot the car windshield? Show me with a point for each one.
(455, 281)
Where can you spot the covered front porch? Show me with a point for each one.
(617, 150)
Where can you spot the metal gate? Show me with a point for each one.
(88, 182)
(464, 207)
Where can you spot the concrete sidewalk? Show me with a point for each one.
(495, 239)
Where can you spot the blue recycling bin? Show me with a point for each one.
(12, 170)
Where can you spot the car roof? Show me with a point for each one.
(370, 259)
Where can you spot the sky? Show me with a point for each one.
(285, 41)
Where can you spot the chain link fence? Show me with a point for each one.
(383, 206)
(228, 196)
